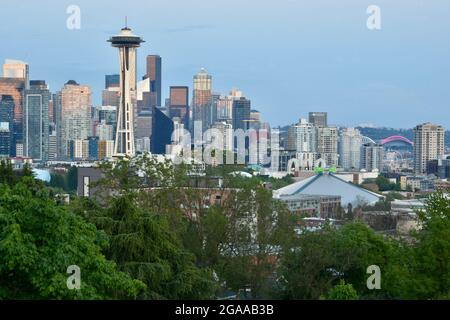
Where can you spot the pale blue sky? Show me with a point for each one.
(288, 56)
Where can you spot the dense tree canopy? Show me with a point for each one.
(155, 232)
(39, 240)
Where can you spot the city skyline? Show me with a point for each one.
(373, 69)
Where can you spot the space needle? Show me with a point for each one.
(127, 43)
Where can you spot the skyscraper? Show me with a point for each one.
(428, 145)
(302, 137)
(162, 129)
(127, 43)
(179, 104)
(111, 96)
(241, 113)
(36, 121)
(318, 119)
(14, 87)
(74, 103)
(154, 73)
(6, 125)
(112, 80)
(327, 145)
(202, 99)
(350, 142)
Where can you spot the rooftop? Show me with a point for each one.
(330, 185)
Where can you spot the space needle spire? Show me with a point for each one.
(127, 43)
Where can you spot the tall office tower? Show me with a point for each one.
(202, 99)
(162, 129)
(224, 105)
(36, 121)
(111, 97)
(112, 80)
(16, 69)
(302, 137)
(241, 113)
(327, 145)
(14, 87)
(350, 142)
(179, 104)
(224, 113)
(154, 73)
(372, 157)
(74, 104)
(428, 145)
(319, 119)
(127, 43)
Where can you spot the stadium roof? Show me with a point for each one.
(331, 185)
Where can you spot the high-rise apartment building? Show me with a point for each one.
(154, 73)
(202, 99)
(428, 145)
(36, 121)
(302, 137)
(318, 119)
(372, 157)
(327, 145)
(350, 142)
(74, 103)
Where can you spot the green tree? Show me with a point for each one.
(342, 291)
(7, 175)
(432, 249)
(142, 241)
(39, 240)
